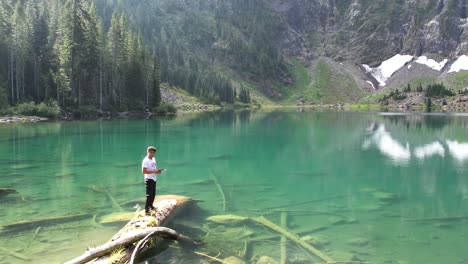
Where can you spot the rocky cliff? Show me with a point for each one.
(369, 32)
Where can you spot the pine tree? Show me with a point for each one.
(156, 82)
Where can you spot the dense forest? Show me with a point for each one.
(84, 55)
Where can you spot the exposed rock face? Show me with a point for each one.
(372, 31)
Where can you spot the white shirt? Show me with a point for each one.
(150, 164)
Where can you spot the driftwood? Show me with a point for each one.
(210, 257)
(167, 207)
(36, 233)
(220, 189)
(298, 232)
(303, 203)
(284, 223)
(262, 220)
(14, 254)
(44, 222)
(115, 204)
(440, 219)
(233, 219)
(126, 239)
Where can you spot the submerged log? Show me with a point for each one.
(15, 227)
(262, 220)
(167, 207)
(6, 191)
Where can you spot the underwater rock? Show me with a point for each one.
(443, 225)
(316, 241)
(370, 207)
(358, 241)
(266, 260)
(345, 256)
(386, 197)
(233, 260)
(335, 220)
(227, 219)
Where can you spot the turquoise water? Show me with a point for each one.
(378, 188)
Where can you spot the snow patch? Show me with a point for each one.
(388, 68)
(428, 150)
(432, 22)
(409, 66)
(460, 64)
(371, 84)
(431, 63)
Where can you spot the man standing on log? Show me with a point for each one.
(149, 169)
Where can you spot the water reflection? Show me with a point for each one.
(458, 150)
(386, 144)
(400, 152)
(428, 150)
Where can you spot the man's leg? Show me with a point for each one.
(150, 193)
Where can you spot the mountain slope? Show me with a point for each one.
(261, 42)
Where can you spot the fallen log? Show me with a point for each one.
(438, 219)
(167, 207)
(262, 220)
(43, 222)
(220, 189)
(114, 202)
(126, 239)
(284, 224)
(14, 254)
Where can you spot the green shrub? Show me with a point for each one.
(3, 97)
(165, 108)
(49, 109)
(26, 109)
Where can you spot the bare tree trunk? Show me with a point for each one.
(100, 78)
(126, 239)
(22, 76)
(11, 77)
(72, 74)
(17, 80)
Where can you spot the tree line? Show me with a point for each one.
(83, 56)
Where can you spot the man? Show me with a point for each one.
(149, 169)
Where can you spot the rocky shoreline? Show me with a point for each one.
(21, 119)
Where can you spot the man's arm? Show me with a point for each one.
(146, 171)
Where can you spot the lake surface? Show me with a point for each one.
(377, 188)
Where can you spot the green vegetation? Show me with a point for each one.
(428, 105)
(457, 81)
(43, 109)
(437, 90)
(113, 55)
(395, 95)
(165, 108)
(331, 84)
(301, 81)
(244, 96)
(343, 6)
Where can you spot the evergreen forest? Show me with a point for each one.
(85, 55)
